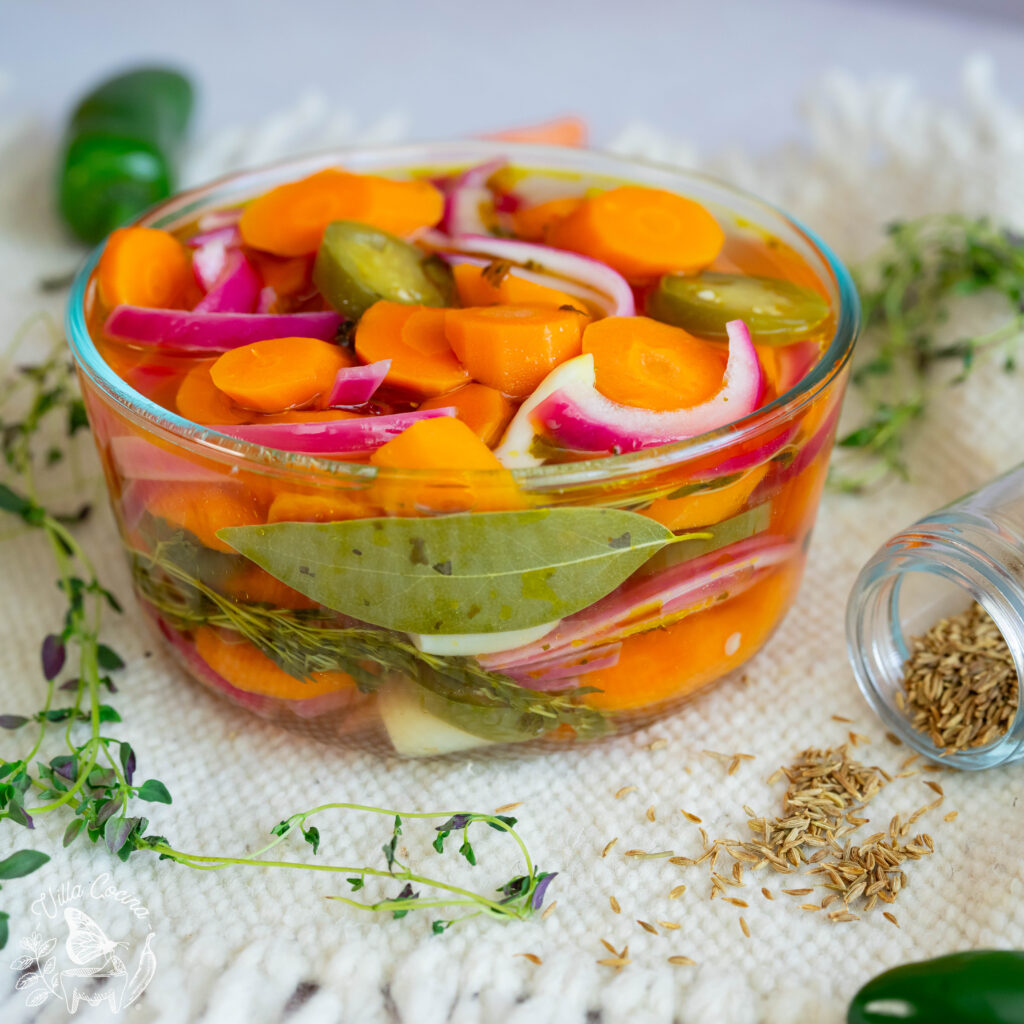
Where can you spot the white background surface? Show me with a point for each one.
(719, 73)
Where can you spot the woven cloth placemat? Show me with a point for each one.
(263, 946)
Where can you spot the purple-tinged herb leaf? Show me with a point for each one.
(544, 879)
(72, 831)
(405, 894)
(70, 684)
(127, 755)
(12, 721)
(108, 810)
(19, 815)
(455, 822)
(116, 832)
(54, 654)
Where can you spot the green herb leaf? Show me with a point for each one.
(22, 863)
(501, 570)
(154, 791)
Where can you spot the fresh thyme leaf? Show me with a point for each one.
(154, 791)
(906, 291)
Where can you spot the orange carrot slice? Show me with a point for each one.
(247, 668)
(202, 509)
(561, 131)
(287, 275)
(513, 348)
(454, 453)
(704, 508)
(413, 338)
(484, 410)
(533, 223)
(291, 507)
(201, 401)
(673, 663)
(641, 232)
(290, 219)
(651, 365)
(401, 207)
(143, 267)
(253, 585)
(498, 285)
(279, 373)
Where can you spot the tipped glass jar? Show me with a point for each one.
(969, 551)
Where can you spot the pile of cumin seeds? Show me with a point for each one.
(960, 684)
(827, 793)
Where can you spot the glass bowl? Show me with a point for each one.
(645, 624)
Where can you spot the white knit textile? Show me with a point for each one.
(234, 945)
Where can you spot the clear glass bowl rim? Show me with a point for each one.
(235, 187)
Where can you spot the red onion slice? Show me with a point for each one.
(579, 417)
(355, 385)
(332, 437)
(236, 290)
(558, 262)
(177, 330)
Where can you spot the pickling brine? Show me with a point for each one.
(456, 448)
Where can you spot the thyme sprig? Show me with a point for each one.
(301, 642)
(72, 765)
(906, 290)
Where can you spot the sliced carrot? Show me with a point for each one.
(289, 220)
(413, 338)
(202, 509)
(704, 508)
(533, 223)
(513, 348)
(401, 207)
(484, 410)
(287, 275)
(279, 373)
(673, 663)
(201, 401)
(561, 131)
(641, 232)
(143, 267)
(459, 481)
(253, 585)
(498, 285)
(289, 507)
(651, 365)
(247, 668)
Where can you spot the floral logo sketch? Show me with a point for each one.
(99, 975)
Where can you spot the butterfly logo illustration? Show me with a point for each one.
(87, 943)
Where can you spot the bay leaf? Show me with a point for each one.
(465, 573)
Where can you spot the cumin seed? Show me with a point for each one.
(624, 791)
(608, 846)
(532, 957)
(681, 961)
(614, 904)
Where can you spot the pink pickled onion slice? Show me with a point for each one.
(135, 458)
(355, 385)
(794, 362)
(562, 672)
(229, 237)
(570, 265)
(332, 437)
(180, 331)
(686, 587)
(209, 262)
(464, 196)
(579, 417)
(236, 290)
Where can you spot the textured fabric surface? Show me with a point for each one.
(261, 946)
